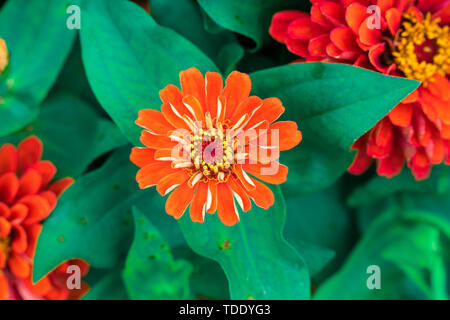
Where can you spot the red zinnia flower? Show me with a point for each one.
(408, 38)
(27, 197)
(223, 135)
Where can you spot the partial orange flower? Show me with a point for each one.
(27, 196)
(406, 38)
(207, 142)
(4, 55)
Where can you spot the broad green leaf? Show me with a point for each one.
(129, 58)
(185, 17)
(333, 104)
(38, 41)
(92, 220)
(151, 272)
(72, 133)
(319, 226)
(250, 18)
(404, 250)
(105, 284)
(252, 253)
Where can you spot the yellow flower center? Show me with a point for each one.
(423, 48)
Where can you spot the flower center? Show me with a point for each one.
(423, 48)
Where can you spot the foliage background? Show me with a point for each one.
(80, 90)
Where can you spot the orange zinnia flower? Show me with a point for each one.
(407, 38)
(206, 141)
(27, 197)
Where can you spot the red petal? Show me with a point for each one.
(318, 46)
(193, 83)
(9, 186)
(19, 239)
(280, 22)
(401, 115)
(47, 171)
(369, 36)
(298, 47)
(38, 209)
(30, 183)
(394, 19)
(214, 87)
(334, 12)
(198, 205)
(344, 39)
(8, 158)
(29, 152)
(355, 16)
(226, 208)
(305, 29)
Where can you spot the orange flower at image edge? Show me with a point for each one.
(27, 197)
(406, 38)
(207, 141)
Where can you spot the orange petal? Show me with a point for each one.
(4, 286)
(58, 187)
(344, 39)
(156, 141)
(193, 83)
(173, 96)
(41, 288)
(247, 106)
(19, 240)
(8, 158)
(9, 186)
(19, 266)
(412, 97)
(239, 194)
(5, 227)
(288, 133)
(305, 29)
(355, 14)
(29, 152)
(226, 209)
(273, 172)
(149, 175)
(171, 181)
(261, 195)
(47, 171)
(401, 115)
(38, 209)
(244, 178)
(271, 110)
(440, 86)
(394, 19)
(211, 198)
(142, 156)
(178, 200)
(4, 210)
(18, 213)
(194, 107)
(198, 206)
(441, 106)
(173, 116)
(369, 36)
(154, 121)
(50, 197)
(33, 232)
(214, 87)
(30, 183)
(237, 88)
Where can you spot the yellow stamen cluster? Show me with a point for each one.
(4, 56)
(217, 166)
(5, 246)
(414, 33)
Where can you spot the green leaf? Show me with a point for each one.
(319, 226)
(250, 18)
(325, 99)
(93, 218)
(129, 58)
(105, 284)
(408, 254)
(185, 17)
(251, 252)
(151, 272)
(37, 28)
(72, 133)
